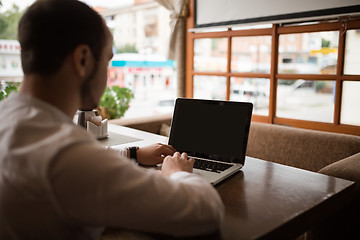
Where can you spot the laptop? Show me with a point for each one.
(213, 132)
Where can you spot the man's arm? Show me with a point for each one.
(95, 186)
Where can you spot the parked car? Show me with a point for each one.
(249, 93)
(165, 106)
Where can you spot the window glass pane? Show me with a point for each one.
(306, 100)
(140, 61)
(210, 87)
(352, 52)
(210, 54)
(350, 104)
(308, 53)
(255, 90)
(251, 54)
(154, 91)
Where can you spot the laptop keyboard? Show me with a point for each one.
(211, 166)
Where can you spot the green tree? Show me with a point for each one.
(325, 43)
(127, 48)
(3, 25)
(116, 100)
(10, 87)
(9, 21)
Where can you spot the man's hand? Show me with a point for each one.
(177, 163)
(154, 154)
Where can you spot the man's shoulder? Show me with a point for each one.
(39, 135)
(28, 121)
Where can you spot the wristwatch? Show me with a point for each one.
(132, 151)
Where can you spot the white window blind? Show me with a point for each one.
(210, 13)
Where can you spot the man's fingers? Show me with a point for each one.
(167, 151)
(184, 155)
(165, 146)
(171, 148)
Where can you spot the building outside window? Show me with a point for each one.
(141, 33)
(10, 63)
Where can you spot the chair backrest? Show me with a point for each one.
(301, 148)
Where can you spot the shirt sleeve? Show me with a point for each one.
(96, 186)
(121, 151)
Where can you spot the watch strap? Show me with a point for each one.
(132, 152)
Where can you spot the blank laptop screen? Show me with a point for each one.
(210, 129)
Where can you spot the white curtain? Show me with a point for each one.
(178, 13)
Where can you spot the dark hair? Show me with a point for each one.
(51, 29)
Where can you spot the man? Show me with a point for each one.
(56, 182)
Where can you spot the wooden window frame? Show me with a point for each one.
(274, 32)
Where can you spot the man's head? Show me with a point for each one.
(52, 30)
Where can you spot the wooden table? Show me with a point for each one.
(266, 200)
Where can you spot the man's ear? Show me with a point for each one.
(83, 60)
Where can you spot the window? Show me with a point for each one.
(251, 54)
(302, 75)
(309, 53)
(210, 54)
(141, 33)
(140, 63)
(306, 100)
(352, 52)
(350, 104)
(210, 87)
(255, 90)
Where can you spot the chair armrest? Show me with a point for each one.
(347, 168)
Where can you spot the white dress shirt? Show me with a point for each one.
(57, 182)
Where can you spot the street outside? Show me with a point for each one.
(148, 103)
(303, 103)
